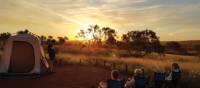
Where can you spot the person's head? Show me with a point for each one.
(175, 66)
(50, 44)
(115, 74)
(138, 72)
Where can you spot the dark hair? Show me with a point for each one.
(175, 66)
(115, 74)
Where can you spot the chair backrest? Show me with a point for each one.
(115, 84)
(176, 76)
(159, 76)
(140, 82)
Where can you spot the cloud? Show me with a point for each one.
(167, 17)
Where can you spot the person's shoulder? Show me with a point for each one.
(114, 81)
(137, 77)
(109, 80)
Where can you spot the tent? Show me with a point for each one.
(23, 55)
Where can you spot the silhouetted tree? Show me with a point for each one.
(26, 31)
(197, 48)
(62, 40)
(66, 38)
(4, 36)
(93, 35)
(175, 47)
(43, 39)
(51, 40)
(81, 35)
(140, 41)
(109, 35)
(95, 32)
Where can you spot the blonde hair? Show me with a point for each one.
(138, 72)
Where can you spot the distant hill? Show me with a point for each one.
(190, 45)
(187, 42)
(192, 42)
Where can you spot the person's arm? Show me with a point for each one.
(169, 77)
(103, 84)
(130, 83)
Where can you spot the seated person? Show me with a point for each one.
(174, 77)
(114, 82)
(138, 80)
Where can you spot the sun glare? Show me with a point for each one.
(87, 24)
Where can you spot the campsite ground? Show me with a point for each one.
(68, 76)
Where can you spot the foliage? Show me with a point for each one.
(145, 40)
(4, 36)
(62, 40)
(176, 47)
(197, 47)
(26, 31)
(109, 35)
(94, 35)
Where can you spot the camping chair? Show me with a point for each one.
(140, 82)
(159, 79)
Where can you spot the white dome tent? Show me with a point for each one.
(23, 55)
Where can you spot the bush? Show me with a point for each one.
(197, 48)
(175, 48)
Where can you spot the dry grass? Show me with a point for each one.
(190, 65)
(74, 54)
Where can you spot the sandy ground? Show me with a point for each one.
(65, 77)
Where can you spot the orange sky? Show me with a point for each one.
(171, 19)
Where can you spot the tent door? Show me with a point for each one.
(22, 57)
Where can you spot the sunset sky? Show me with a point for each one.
(171, 19)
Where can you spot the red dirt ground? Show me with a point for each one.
(65, 77)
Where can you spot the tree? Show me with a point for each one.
(43, 39)
(51, 40)
(66, 38)
(109, 35)
(62, 40)
(175, 47)
(140, 41)
(26, 31)
(197, 48)
(81, 35)
(4, 36)
(94, 35)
